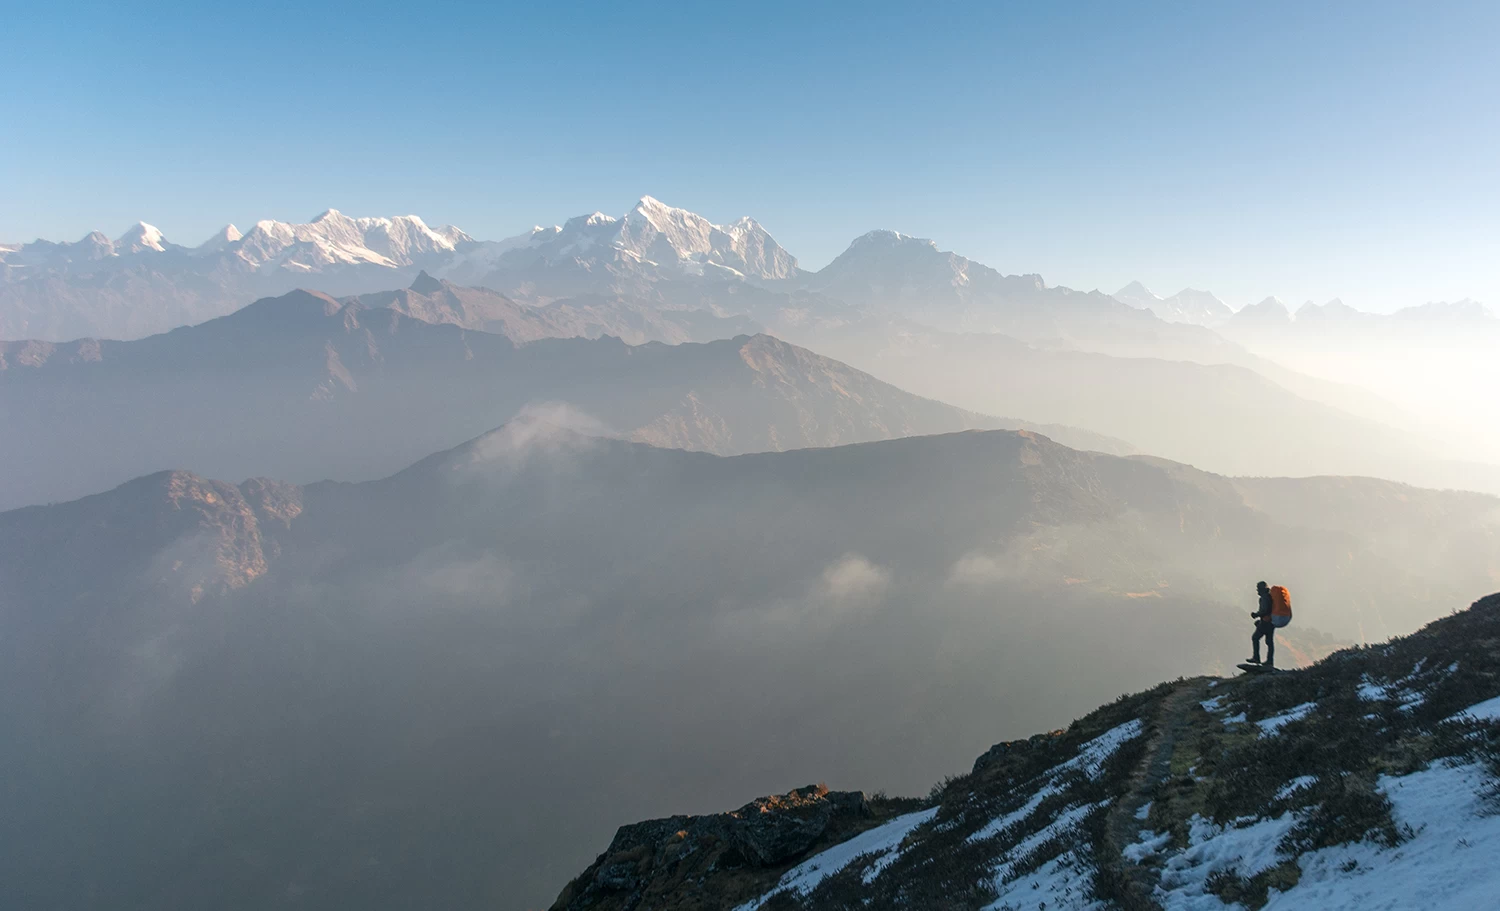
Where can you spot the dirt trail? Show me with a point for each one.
(1123, 827)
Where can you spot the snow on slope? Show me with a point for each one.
(1370, 780)
(334, 238)
(1435, 869)
(882, 840)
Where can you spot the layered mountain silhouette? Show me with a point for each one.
(449, 686)
(1220, 417)
(306, 387)
(1393, 402)
(436, 300)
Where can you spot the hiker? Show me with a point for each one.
(1264, 629)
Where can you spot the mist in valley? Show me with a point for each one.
(453, 684)
(387, 561)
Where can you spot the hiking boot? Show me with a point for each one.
(1252, 661)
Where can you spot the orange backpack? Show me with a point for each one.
(1281, 606)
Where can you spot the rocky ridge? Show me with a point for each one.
(1372, 773)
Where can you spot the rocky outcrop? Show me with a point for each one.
(666, 863)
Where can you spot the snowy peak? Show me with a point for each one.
(1186, 306)
(93, 245)
(676, 241)
(333, 238)
(889, 259)
(1332, 312)
(886, 238)
(220, 239)
(1137, 295)
(1268, 312)
(141, 237)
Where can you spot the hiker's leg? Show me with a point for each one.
(1270, 644)
(1255, 642)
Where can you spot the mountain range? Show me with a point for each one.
(307, 387)
(141, 283)
(447, 687)
(1222, 417)
(1186, 306)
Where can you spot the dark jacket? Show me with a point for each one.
(1265, 605)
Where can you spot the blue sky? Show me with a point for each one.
(1302, 149)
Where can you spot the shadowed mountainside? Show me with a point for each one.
(448, 686)
(304, 387)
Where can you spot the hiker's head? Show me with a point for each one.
(1261, 587)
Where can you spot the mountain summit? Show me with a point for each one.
(598, 253)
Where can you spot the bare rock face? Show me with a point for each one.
(1009, 749)
(663, 863)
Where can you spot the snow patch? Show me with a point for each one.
(1488, 710)
(1148, 845)
(1247, 850)
(1277, 722)
(1295, 785)
(1447, 866)
(1065, 822)
(1090, 761)
(1061, 884)
(884, 840)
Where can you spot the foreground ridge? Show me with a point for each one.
(1371, 779)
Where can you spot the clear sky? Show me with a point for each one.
(1305, 149)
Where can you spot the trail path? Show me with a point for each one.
(1123, 827)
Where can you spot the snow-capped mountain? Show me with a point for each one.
(906, 275)
(898, 276)
(1189, 305)
(140, 238)
(330, 239)
(220, 240)
(1138, 295)
(1333, 313)
(141, 283)
(1271, 311)
(334, 238)
(600, 253)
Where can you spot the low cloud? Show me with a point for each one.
(852, 577)
(546, 428)
(978, 570)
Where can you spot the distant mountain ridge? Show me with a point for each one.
(142, 283)
(1186, 306)
(304, 386)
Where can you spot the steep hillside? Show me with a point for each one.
(1370, 780)
(306, 387)
(447, 687)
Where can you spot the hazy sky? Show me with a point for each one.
(1305, 150)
